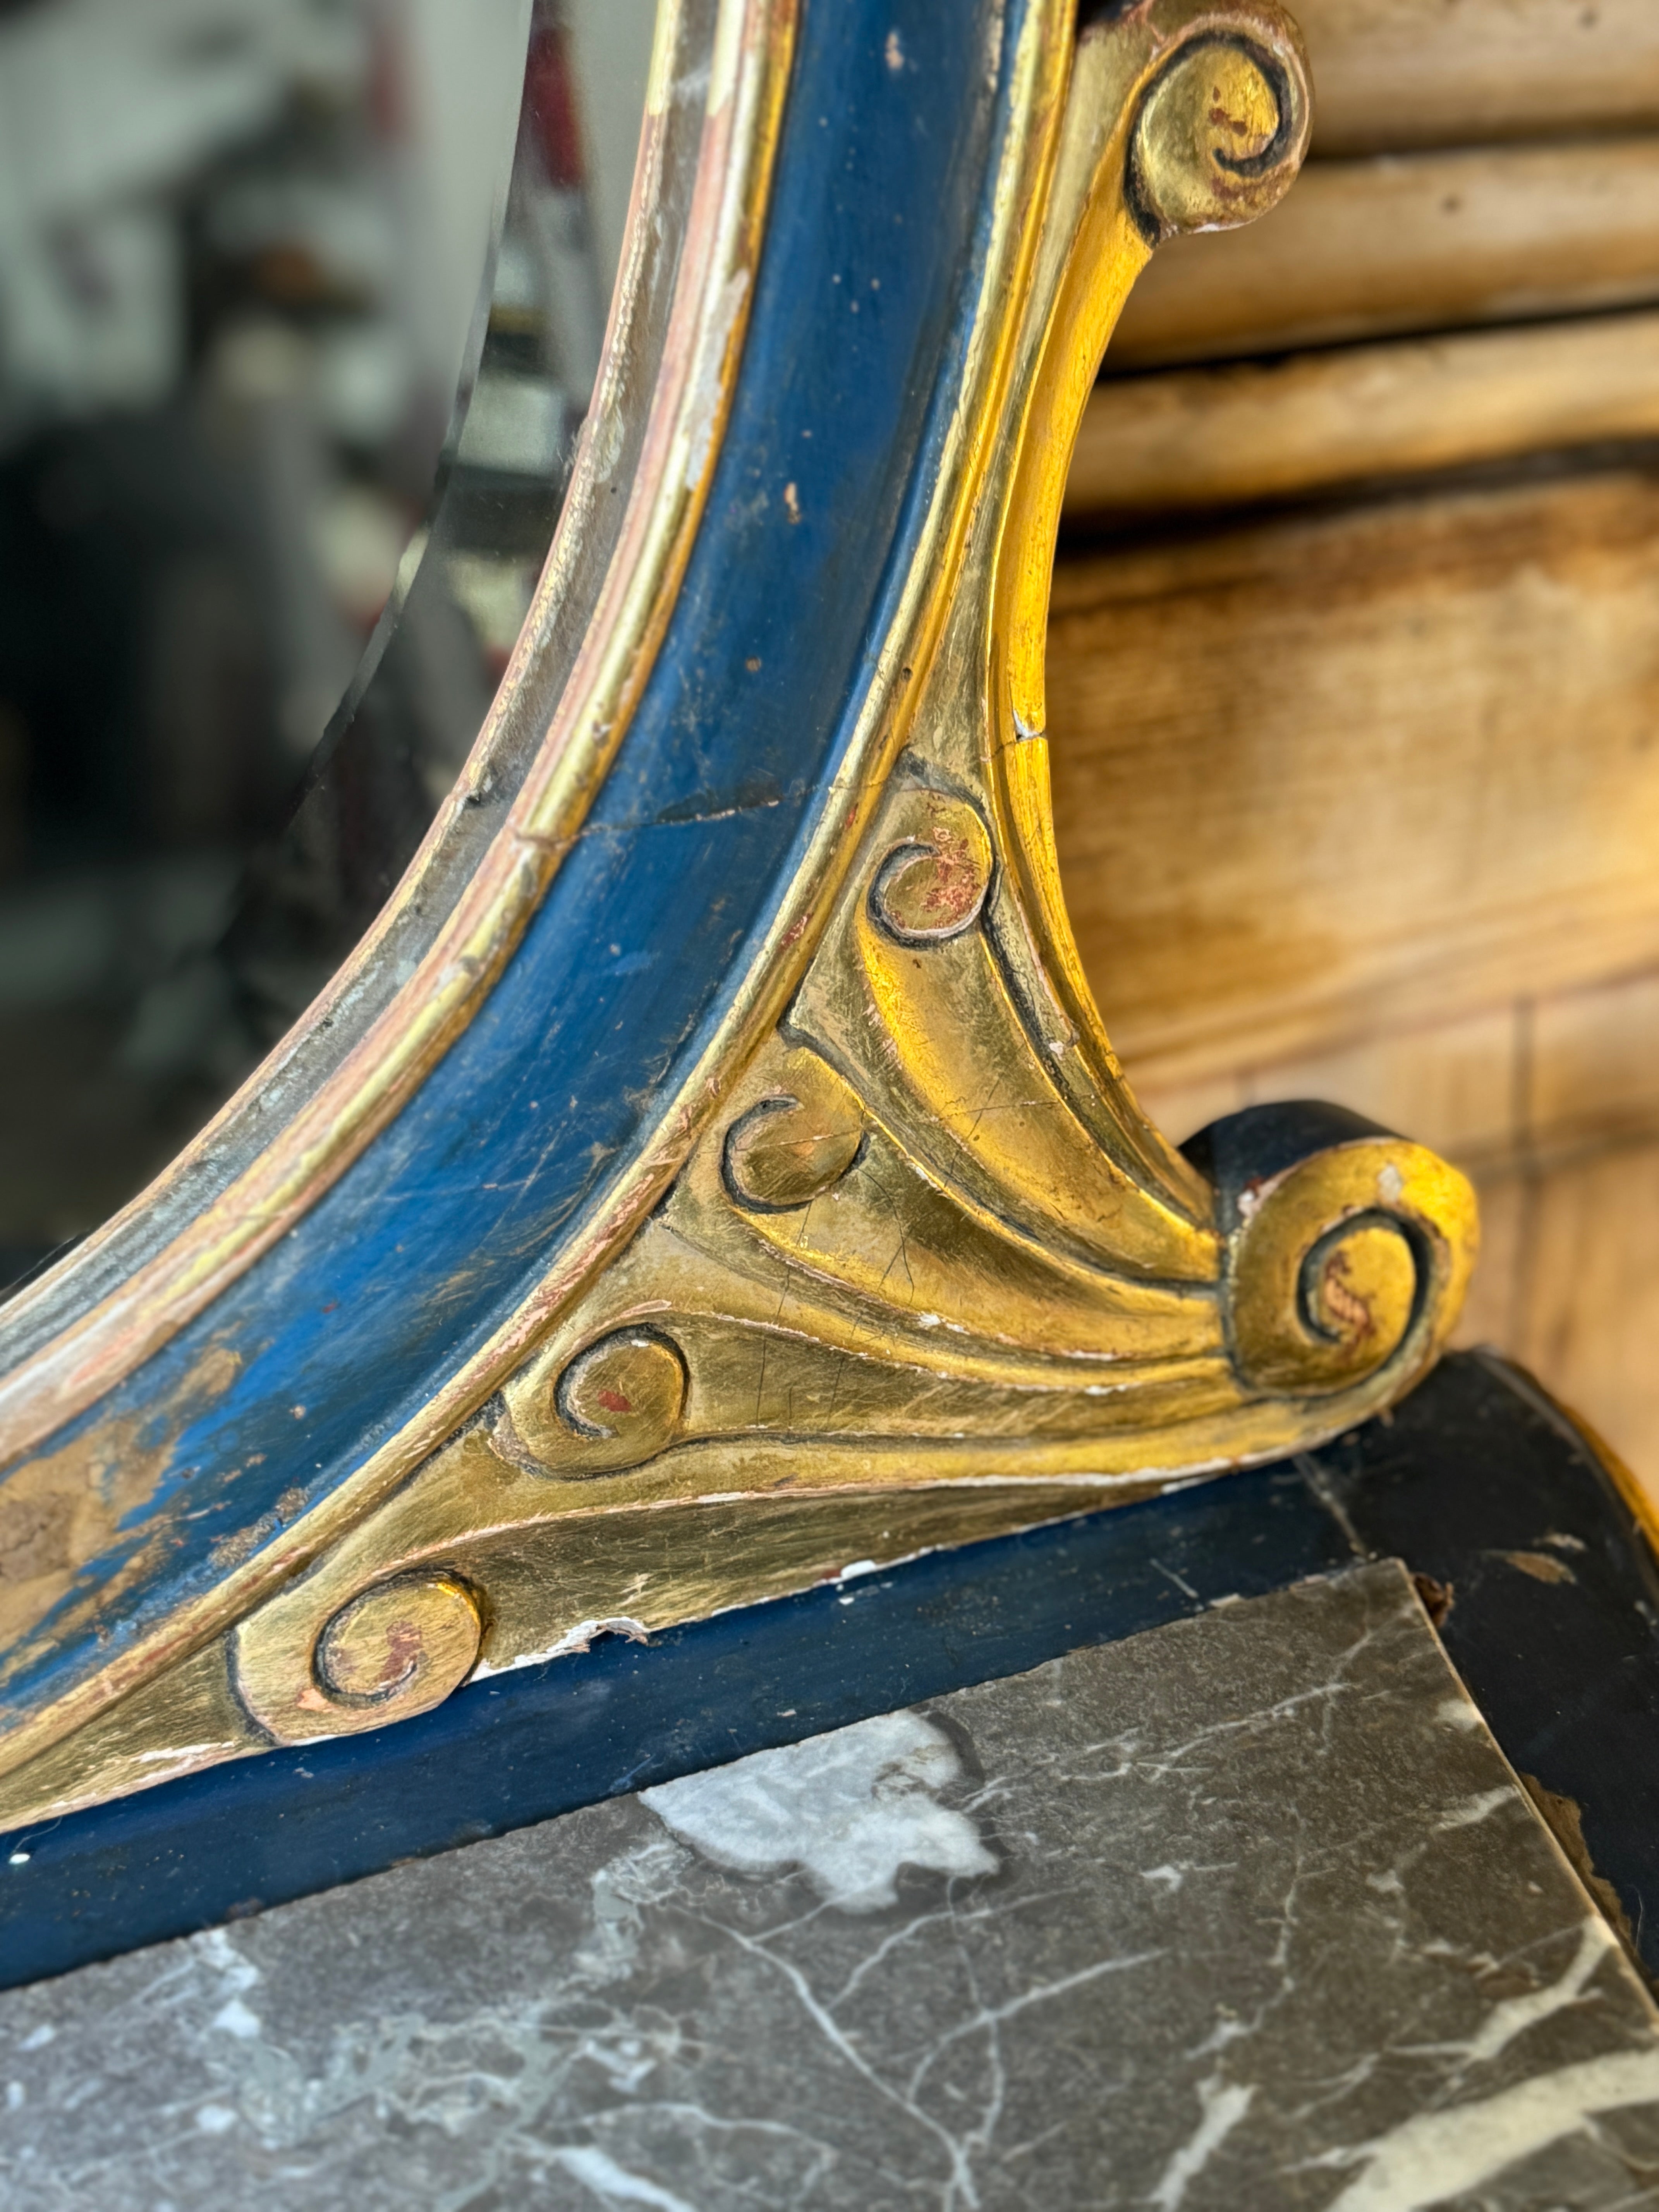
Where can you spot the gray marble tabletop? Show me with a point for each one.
(1246, 1911)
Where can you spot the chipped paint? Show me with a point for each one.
(112, 1489)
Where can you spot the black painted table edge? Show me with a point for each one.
(1476, 1482)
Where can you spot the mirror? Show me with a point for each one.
(301, 307)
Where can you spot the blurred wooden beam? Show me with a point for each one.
(1365, 249)
(1368, 769)
(1392, 73)
(1189, 439)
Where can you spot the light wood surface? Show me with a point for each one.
(1392, 757)
(1584, 1290)
(1222, 436)
(1534, 1083)
(1397, 73)
(1363, 249)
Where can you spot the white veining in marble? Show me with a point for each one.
(1241, 1915)
(614, 2184)
(850, 1809)
(1222, 2104)
(1434, 2158)
(1513, 2016)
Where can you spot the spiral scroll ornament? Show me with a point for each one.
(905, 1264)
(1346, 1264)
(1221, 132)
(397, 1648)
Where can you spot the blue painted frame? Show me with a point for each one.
(876, 240)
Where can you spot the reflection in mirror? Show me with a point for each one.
(300, 306)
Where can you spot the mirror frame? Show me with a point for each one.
(738, 951)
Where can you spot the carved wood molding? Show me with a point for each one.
(851, 1239)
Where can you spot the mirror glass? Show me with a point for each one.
(300, 304)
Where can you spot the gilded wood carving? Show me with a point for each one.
(875, 1250)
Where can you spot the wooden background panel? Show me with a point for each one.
(1413, 242)
(1592, 1060)
(1393, 757)
(1531, 1081)
(1583, 1290)
(1394, 73)
(1245, 432)
(1492, 1312)
(1451, 1084)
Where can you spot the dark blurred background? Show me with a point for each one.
(300, 302)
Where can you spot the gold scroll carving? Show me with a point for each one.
(925, 1274)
